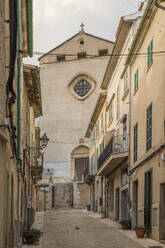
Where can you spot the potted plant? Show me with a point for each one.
(102, 213)
(140, 231)
(125, 224)
(31, 236)
(117, 146)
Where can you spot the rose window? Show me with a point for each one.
(82, 88)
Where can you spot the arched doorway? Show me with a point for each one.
(80, 162)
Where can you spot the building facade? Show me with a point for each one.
(147, 171)
(15, 44)
(129, 182)
(71, 78)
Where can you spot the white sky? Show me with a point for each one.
(57, 20)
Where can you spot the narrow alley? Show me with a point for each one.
(79, 229)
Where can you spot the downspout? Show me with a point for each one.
(129, 158)
(158, 5)
(19, 62)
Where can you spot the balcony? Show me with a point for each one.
(113, 155)
(88, 177)
(36, 164)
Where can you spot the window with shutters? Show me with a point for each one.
(125, 77)
(136, 80)
(126, 84)
(118, 102)
(149, 128)
(135, 142)
(110, 113)
(102, 120)
(150, 54)
(97, 129)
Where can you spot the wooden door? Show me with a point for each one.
(148, 200)
(81, 164)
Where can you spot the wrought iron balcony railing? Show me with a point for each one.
(117, 144)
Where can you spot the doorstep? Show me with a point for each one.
(145, 242)
(38, 224)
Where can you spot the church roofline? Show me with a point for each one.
(93, 36)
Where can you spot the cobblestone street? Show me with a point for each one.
(77, 229)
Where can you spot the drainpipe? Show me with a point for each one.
(158, 5)
(129, 158)
(19, 62)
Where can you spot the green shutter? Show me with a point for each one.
(136, 78)
(135, 142)
(149, 128)
(135, 82)
(150, 53)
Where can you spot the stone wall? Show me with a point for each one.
(81, 195)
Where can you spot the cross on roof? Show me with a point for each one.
(82, 26)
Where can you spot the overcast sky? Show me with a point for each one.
(57, 20)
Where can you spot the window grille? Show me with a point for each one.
(82, 88)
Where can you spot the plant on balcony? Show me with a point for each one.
(102, 213)
(125, 224)
(117, 146)
(140, 231)
(31, 236)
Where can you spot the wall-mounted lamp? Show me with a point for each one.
(44, 141)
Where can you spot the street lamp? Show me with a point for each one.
(44, 141)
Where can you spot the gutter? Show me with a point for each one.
(158, 5)
(19, 62)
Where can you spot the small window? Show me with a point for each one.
(149, 128)
(150, 54)
(136, 80)
(81, 55)
(60, 57)
(103, 52)
(135, 142)
(81, 42)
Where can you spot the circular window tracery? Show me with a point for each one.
(82, 87)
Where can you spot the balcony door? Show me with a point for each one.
(162, 212)
(125, 135)
(148, 200)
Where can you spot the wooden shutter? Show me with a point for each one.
(149, 128)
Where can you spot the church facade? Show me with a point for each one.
(71, 76)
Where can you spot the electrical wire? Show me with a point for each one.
(88, 56)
